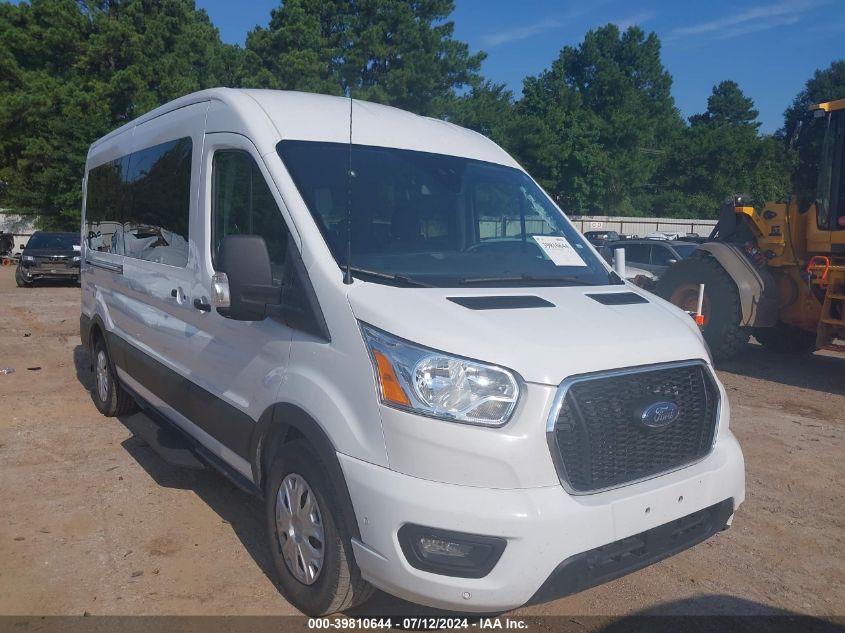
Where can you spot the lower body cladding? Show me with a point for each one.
(533, 544)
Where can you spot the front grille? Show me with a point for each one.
(50, 263)
(598, 437)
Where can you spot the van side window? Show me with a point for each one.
(243, 205)
(104, 206)
(158, 188)
(138, 205)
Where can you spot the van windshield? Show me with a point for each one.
(417, 218)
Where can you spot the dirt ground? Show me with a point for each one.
(92, 520)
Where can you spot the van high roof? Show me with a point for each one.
(269, 116)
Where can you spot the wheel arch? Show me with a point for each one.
(92, 329)
(756, 287)
(283, 423)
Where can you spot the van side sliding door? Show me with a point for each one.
(153, 303)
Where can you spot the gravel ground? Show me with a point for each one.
(94, 521)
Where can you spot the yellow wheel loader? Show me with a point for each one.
(778, 271)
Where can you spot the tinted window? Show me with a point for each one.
(830, 166)
(838, 201)
(442, 220)
(685, 250)
(660, 255)
(104, 206)
(53, 241)
(243, 205)
(138, 205)
(637, 253)
(158, 186)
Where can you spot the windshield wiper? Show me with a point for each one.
(573, 281)
(401, 279)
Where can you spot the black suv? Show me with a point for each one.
(49, 256)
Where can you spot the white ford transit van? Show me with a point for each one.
(383, 326)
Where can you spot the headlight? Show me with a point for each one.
(76, 258)
(27, 258)
(440, 385)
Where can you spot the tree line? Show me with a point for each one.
(598, 129)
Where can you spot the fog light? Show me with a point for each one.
(439, 547)
(450, 553)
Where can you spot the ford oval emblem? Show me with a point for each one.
(660, 414)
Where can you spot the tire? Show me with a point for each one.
(19, 279)
(723, 312)
(335, 584)
(109, 396)
(786, 339)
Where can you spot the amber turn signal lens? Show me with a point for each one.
(391, 390)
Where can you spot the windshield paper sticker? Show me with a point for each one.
(559, 250)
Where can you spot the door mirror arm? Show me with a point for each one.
(243, 288)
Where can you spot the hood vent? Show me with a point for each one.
(618, 298)
(507, 302)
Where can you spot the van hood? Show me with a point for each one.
(576, 334)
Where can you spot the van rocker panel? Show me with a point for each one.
(230, 426)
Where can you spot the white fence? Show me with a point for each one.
(642, 226)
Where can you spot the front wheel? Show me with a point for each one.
(309, 541)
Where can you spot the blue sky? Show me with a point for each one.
(769, 47)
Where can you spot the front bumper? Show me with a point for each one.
(30, 273)
(543, 526)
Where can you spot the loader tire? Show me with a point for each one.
(723, 329)
(786, 339)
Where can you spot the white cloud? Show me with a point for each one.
(519, 33)
(752, 20)
(634, 20)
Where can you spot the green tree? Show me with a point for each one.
(72, 71)
(721, 153)
(488, 109)
(727, 105)
(300, 49)
(605, 113)
(389, 51)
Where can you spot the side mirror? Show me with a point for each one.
(245, 291)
